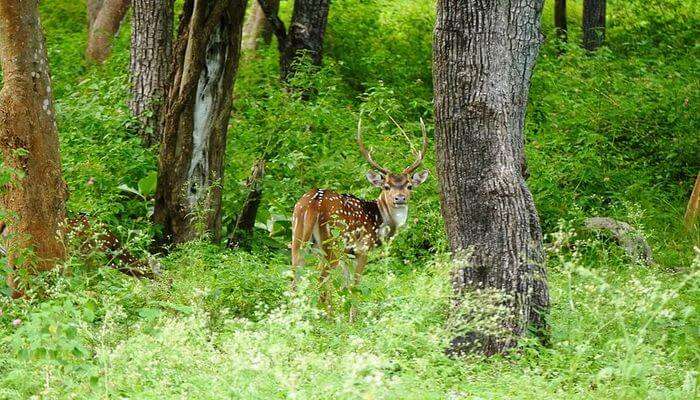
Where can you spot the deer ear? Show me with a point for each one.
(420, 177)
(375, 178)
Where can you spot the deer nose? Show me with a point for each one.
(399, 199)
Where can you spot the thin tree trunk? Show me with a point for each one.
(93, 8)
(151, 50)
(197, 111)
(483, 56)
(593, 24)
(29, 139)
(268, 29)
(104, 28)
(693, 209)
(242, 231)
(253, 27)
(257, 26)
(560, 19)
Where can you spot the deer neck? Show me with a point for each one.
(392, 217)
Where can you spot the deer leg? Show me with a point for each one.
(302, 230)
(360, 262)
(332, 261)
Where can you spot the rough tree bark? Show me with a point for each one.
(560, 19)
(151, 49)
(196, 117)
(104, 28)
(305, 35)
(483, 56)
(593, 24)
(29, 138)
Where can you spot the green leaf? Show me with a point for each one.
(147, 184)
(125, 188)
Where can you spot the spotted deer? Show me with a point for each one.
(363, 224)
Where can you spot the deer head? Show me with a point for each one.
(396, 187)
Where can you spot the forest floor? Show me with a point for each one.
(611, 134)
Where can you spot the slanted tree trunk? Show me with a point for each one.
(242, 230)
(104, 28)
(483, 56)
(151, 49)
(257, 27)
(268, 29)
(253, 27)
(693, 209)
(29, 139)
(305, 35)
(593, 24)
(93, 8)
(560, 19)
(197, 111)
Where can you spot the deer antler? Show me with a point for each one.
(421, 154)
(364, 151)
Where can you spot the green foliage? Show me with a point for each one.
(608, 134)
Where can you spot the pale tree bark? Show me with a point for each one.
(305, 35)
(29, 139)
(560, 19)
(593, 24)
(93, 8)
(483, 56)
(151, 50)
(104, 28)
(693, 209)
(253, 28)
(197, 112)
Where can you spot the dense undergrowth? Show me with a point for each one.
(609, 134)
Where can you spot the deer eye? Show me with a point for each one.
(409, 187)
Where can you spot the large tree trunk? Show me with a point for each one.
(305, 35)
(29, 138)
(104, 28)
(593, 24)
(560, 19)
(484, 54)
(151, 49)
(196, 119)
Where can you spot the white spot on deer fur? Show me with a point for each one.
(209, 87)
(45, 105)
